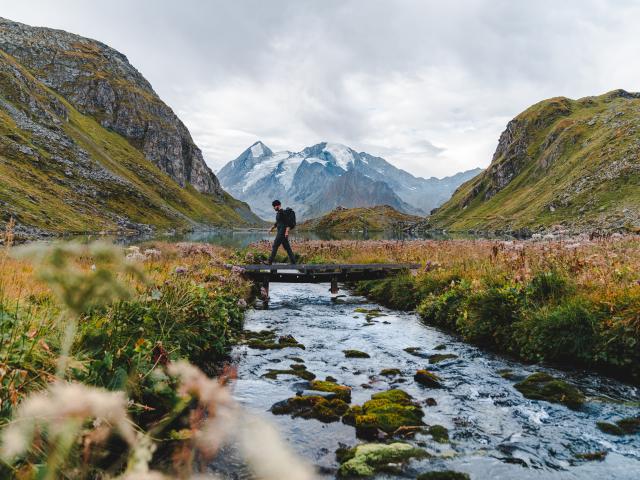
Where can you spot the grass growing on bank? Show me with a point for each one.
(93, 363)
(571, 302)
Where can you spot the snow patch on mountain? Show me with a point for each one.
(343, 155)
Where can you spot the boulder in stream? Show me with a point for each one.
(428, 379)
(367, 459)
(384, 414)
(542, 386)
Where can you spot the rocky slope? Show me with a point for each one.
(381, 218)
(562, 163)
(87, 145)
(326, 175)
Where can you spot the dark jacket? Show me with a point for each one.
(280, 221)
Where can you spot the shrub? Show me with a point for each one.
(547, 286)
(566, 332)
(444, 309)
(489, 314)
(396, 292)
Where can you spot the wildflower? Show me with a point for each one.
(237, 270)
(180, 270)
(62, 407)
(242, 303)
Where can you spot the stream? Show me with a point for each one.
(494, 431)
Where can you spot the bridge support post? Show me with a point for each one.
(264, 288)
(334, 285)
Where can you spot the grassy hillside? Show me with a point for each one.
(562, 161)
(61, 171)
(377, 219)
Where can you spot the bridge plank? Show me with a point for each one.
(337, 267)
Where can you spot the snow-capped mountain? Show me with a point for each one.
(327, 175)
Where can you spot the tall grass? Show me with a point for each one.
(94, 350)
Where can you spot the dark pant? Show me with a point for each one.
(284, 241)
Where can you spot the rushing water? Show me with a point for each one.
(495, 432)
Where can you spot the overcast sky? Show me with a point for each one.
(428, 85)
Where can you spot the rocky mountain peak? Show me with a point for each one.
(100, 82)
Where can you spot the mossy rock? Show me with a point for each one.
(427, 379)
(296, 370)
(269, 343)
(629, 425)
(339, 391)
(439, 433)
(439, 357)
(390, 372)
(331, 379)
(592, 456)
(370, 458)
(355, 354)
(444, 475)
(625, 426)
(415, 351)
(542, 386)
(326, 410)
(507, 374)
(442, 346)
(385, 412)
(610, 428)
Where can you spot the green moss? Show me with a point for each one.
(340, 391)
(630, 425)
(428, 379)
(444, 475)
(326, 410)
(368, 459)
(268, 342)
(542, 386)
(439, 357)
(386, 412)
(610, 428)
(439, 433)
(415, 351)
(355, 354)
(441, 346)
(295, 370)
(592, 456)
(390, 372)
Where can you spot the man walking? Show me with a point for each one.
(285, 221)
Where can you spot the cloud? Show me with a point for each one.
(427, 85)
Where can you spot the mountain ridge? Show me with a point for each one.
(64, 171)
(326, 175)
(562, 163)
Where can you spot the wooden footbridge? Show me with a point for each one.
(321, 273)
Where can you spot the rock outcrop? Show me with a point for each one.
(86, 146)
(99, 81)
(561, 164)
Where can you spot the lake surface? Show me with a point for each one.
(495, 432)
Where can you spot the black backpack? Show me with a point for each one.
(289, 218)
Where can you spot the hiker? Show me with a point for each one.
(285, 221)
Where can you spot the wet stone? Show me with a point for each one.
(592, 456)
(430, 402)
(444, 475)
(542, 386)
(266, 340)
(442, 346)
(324, 409)
(295, 370)
(428, 379)
(355, 354)
(384, 414)
(439, 357)
(390, 372)
(339, 391)
(439, 433)
(367, 459)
